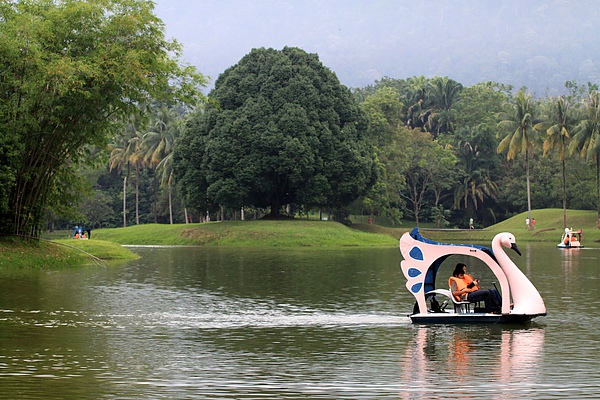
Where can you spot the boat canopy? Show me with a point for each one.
(431, 274)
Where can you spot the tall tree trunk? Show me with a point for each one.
(598, 189)
(416, 211)
(125, 201)
(155, 196)
(275, 209)
(170, 207)
(137, 195)
(528, 189)
(564, 182)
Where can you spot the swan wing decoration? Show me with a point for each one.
(414, 266)
(526, 298)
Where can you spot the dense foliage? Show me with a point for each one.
(92, 83)
(446, 176)
(70, 72)
(512, 152)
(279, 129)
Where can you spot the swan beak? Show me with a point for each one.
(515, 248)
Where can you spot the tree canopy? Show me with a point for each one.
(278, 129)
(70, 72)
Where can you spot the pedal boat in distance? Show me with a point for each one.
(521, 302)
(570, 239)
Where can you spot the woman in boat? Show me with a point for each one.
(465, 288)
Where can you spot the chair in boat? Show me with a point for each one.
(459, 306)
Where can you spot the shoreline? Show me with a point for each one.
(111, 243)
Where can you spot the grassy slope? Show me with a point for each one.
(311, 233)
(305, 233)
(19, 253)
(105, 243)
(549, 228)
(288, 233)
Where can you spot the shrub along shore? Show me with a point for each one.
(106, 244)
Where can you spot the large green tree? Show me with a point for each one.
(70, 71)
(279, 128)
(428, 163)
(384, 113)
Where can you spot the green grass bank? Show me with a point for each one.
(16, 253)
(549, 228)
(261, 233)
(106, 244)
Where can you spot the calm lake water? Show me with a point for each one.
(187, 323)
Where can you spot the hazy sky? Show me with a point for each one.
(537, 43)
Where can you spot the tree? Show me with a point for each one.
(383, 109)
(71, 72)
(417, 102)
(385, 194)
(476, 183)
(427, 161)
(158, 143)
(384, 114)
(188, 169)
(127, 152)
(557, 125)
(479, 104)
(444, 93)
(279, 128)
(516, 123)
(587, 138)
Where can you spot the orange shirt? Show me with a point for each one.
(457, 284)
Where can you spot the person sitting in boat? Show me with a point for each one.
(465, 288)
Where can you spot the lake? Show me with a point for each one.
(193, 322)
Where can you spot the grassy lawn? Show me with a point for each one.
(549, 228)
(65, 253)
(288, 233)
(313, 233)
(105, 244)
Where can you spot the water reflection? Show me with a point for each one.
(486, 359)
(231, 323)
(570, 259)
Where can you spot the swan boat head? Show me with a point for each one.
(526, 298)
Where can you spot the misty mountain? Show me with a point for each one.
(538, 44)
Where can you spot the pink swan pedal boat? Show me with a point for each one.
(422, 259)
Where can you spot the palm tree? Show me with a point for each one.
(443, 94)
(476, 183)
(416, 102)
(587, 138)
(557, 126)
(517, 124)
(119, 158)
(165, 166)
(159, 141)
(123, 154)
